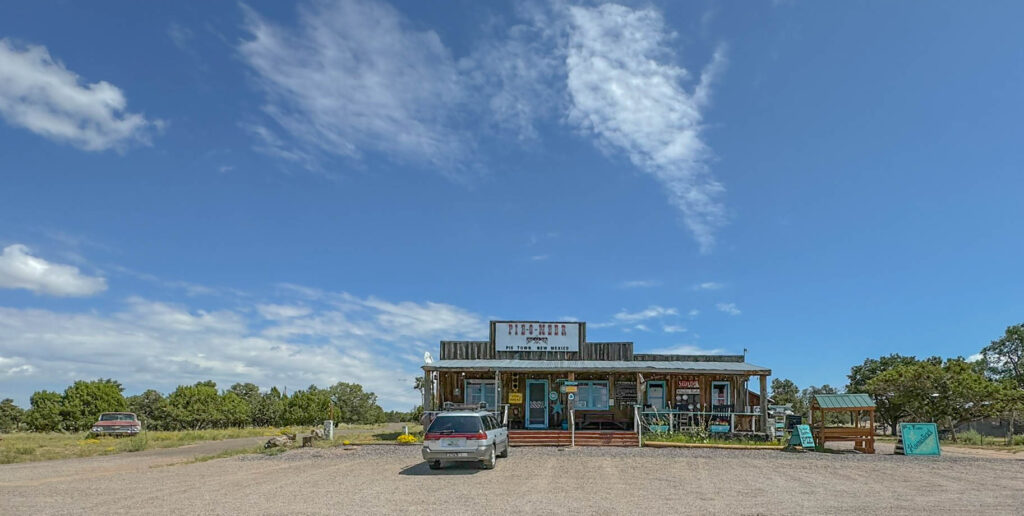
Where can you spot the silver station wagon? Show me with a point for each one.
(465, 436)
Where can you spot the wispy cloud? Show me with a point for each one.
(640, 284)
(651, 312)
(539, 257)
(626, 90)
(673, 328)
(40, 94)
(354, 77)
(693, 313)
(729, 308)
(19, 269)
(708, 285)
(689, 349)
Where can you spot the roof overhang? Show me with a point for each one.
(616, 366)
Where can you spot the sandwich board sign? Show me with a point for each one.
(918, 439)
(802, 437)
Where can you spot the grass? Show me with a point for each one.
(30, 447)
(696, 439)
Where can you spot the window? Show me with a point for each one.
(478, 391)
(720, 399)
(656, 395)
(455, 425)
(592, 396)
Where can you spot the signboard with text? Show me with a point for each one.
(536, 336)
(802, 437)
(919, 438)
(515, 398)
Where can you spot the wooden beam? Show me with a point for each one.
(764, 407)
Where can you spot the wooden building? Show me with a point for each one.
(532, 374)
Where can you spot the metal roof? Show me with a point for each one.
(840, 401)
(598, 365)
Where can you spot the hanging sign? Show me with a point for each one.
(802, 437)
(552, 395)
(536, 336)
(570, 388)
(918, 439)
(515, 398)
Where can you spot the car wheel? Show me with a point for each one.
(491, 459)
(504, 453)
(436, 464)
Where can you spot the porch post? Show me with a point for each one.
(764, 408)
(497, 391)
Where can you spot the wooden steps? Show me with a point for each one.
(564, 438)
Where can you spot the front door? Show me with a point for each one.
(536, 404)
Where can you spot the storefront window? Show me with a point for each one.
(592, 396)
(481, 391)
(720, 400)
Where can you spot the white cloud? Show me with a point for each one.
(626, 91)
(689, 349)
(708, 285)
(20, 270)
(640, 284)
(539, 257)
(693, 313)
(154, 344)
(729, 308)
(673, 328)
(40, 94)
(281, 312)
(975, 357)
(648, 313)
(355, 77)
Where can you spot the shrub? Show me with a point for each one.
(407, 439)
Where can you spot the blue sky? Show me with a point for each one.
(297, 194)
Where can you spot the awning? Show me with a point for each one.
(616, 366)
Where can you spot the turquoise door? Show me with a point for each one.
(536, 404)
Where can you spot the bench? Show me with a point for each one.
(599, 418)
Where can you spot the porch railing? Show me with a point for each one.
(676, 420)
(572, 427)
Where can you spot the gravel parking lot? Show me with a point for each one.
(393, 480)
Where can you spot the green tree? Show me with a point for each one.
(194, 407)
(151, 407)
(307, 407)
(354, 405)
(234, 411)
(948, 394)
(887, 408)
(1005, 356)
(785, 392)
(11, 415)
(44, 414)
(83, 402)
(268, 410)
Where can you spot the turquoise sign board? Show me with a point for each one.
(920, 438)
(802, 437)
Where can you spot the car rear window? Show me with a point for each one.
(455, 425)
(117, 417)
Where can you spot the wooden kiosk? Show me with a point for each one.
(857, 406)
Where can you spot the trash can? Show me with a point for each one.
(329, 430)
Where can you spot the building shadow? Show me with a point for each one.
(447, 469)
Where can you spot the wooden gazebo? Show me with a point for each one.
(857, 406)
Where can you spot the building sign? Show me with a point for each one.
(515, 398)
(625, 392)
(536, 336)
(687, 387)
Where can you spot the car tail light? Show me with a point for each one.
(431, 437)
(480, 436)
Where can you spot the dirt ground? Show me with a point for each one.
(393, 480)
